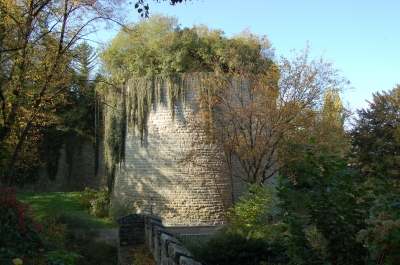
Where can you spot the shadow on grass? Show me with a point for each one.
(50, 203)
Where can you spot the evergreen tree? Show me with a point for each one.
(37, 39)
(75, 117)
(375, 137)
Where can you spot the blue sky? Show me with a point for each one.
(360, 37)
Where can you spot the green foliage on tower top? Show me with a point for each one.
(156, 51)
(158, 46)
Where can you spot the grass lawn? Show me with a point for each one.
(47, 203)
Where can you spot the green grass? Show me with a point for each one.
(48, 203)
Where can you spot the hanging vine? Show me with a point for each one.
(157, 53)
(140, 92)
(131, 106)
(114, 139)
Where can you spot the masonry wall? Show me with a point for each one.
(151, 179)
(76, 175)
(149, 229)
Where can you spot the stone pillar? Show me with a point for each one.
(131, 230)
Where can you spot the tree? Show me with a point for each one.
(248, 101)
(36, 41)
(343, 210)
(253, 107)
(326, 126)
(332, 111)
(76, 115)
(143, 9)
(332, 131)
(375, 137)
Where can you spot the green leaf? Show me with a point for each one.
(376, 192)
(347, 178)
(312, 140)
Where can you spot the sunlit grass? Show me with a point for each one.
(48, 203)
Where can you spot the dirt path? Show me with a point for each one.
(127, 254)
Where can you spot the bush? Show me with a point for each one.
(73, 221)
(19, 233)
(337, 206)
(235, 246)
(118, 210)
(83, 241)
(254, 208)
(22, 237)
(58, 258)
(98, 253)
(250, 237)
(78, 237)
(100, 207)
(53, 231)
(382, 234)
(95, 202)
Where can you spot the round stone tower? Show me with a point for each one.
(153, 179)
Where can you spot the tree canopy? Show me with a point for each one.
(375, 137)
(37, 40)
(254, 111)
(325, 125)
(158, 46)
(143, 8)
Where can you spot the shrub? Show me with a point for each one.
(235, 246)
(58, 258)
(95, 202)
(22, 237)
(382, 234)
(337, 206)
(98, 253)
(250, 237)
(100, 207)
(143, 256)
(118, 210)
(79, 238)
(19, 233)
(254, 208)
(53, 231)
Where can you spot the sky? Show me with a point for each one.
(360, 37)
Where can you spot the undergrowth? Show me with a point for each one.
(67, 226)
(46, 203)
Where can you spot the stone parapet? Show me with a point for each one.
(166, 249)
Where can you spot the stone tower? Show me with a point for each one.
(152, 178)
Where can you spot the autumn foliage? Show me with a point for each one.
(37, 42)
(19, 233)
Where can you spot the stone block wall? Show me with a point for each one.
(77, 175)
(166, 249)
(152, 178)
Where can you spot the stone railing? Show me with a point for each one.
(148, 229)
